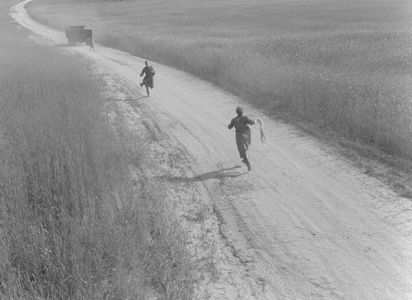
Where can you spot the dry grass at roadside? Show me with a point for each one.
(73, 224)
(338, 64)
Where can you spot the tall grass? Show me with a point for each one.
(344, 65)
(73, 224)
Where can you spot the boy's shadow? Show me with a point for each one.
(128, 100)
(135, 99)
(218, 174)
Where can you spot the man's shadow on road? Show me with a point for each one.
(63, 46)
(66, 45)
(218, 174)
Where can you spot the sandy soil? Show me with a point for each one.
(303, 224)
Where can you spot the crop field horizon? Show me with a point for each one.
(341, 65)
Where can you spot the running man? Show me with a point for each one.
(148, 73)
(243, 134)
(90, 43)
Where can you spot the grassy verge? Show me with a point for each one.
(343, 66)
(73, 224)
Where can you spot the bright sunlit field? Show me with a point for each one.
(343, 65)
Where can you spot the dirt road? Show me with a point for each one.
(305, 222)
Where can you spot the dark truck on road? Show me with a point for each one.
(78, 34)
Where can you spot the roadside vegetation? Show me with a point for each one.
(344, 66)
(73, 222)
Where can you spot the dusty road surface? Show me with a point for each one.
(304, 222)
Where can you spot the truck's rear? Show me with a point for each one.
(78, 34)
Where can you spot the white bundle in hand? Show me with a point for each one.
(262, 134)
